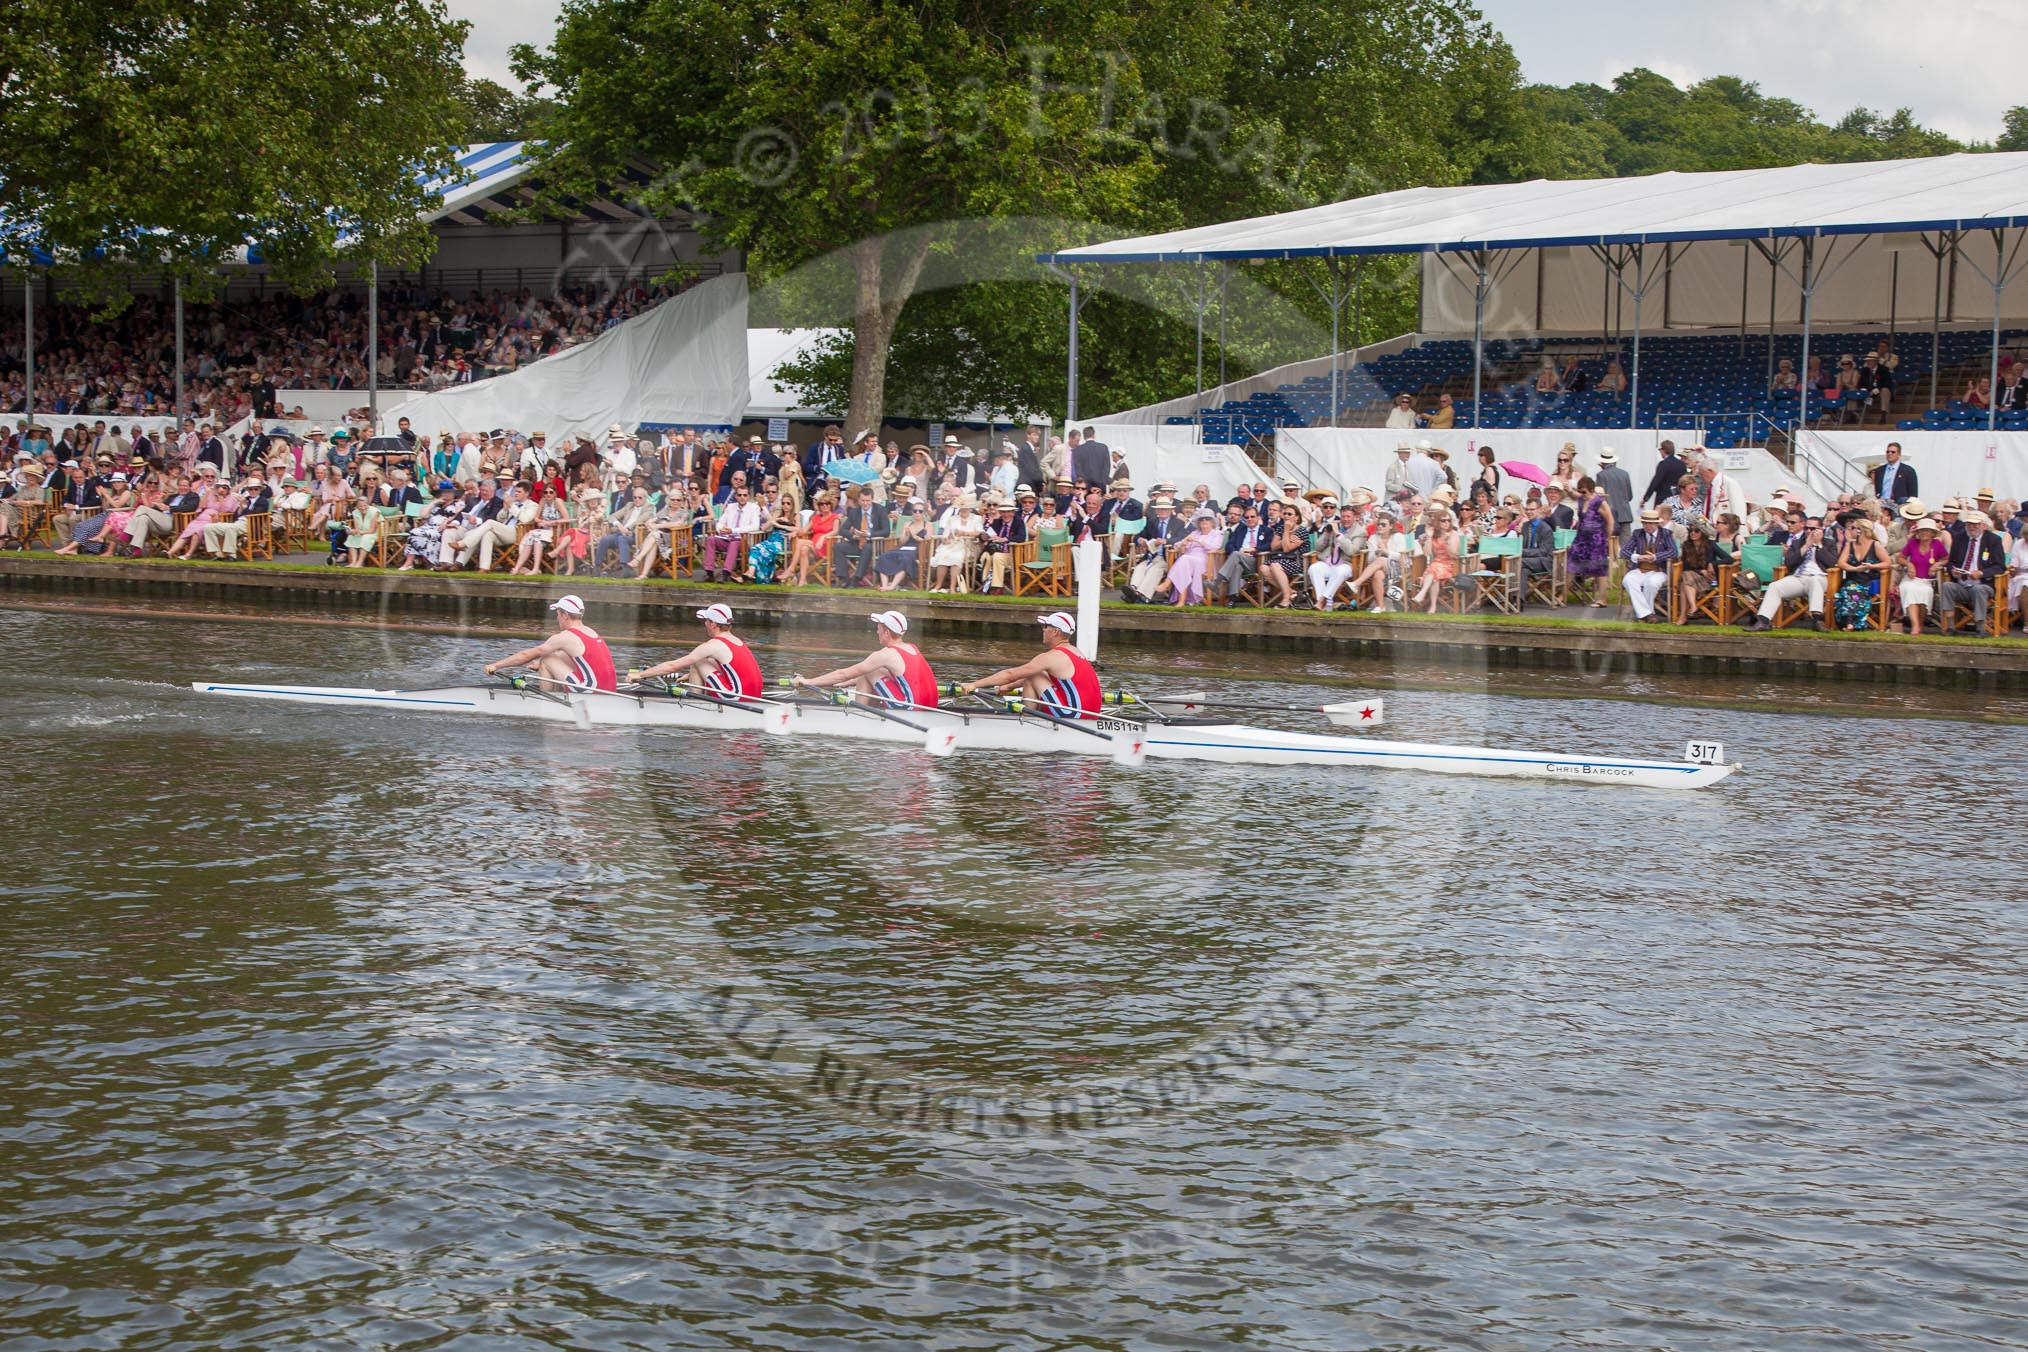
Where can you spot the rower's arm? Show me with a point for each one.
(1010, 676)
(527, 656)
(676, 664)
(875, 664)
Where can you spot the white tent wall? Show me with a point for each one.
(1859, 284)
(1359, 456)
(1946, 464)
(1292, 373)
(1155, 454)
(682, 362)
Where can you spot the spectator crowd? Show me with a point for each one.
(240, 355)
(1688, 547)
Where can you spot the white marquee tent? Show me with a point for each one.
(1861, 241)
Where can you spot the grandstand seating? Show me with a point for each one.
(1687, 380)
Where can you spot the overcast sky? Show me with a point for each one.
(1956, 63)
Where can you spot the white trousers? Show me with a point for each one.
(482, 538)
(1787, 589)
(1643, 588)
(1326, 578)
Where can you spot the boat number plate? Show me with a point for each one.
(1116, 725)
(1705, 753)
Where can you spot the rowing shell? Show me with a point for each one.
(1183, 739)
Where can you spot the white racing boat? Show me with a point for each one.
(941, 731)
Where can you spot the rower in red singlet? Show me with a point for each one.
(572, 658)
(1061, 679)
(722, 663)
(898, 672)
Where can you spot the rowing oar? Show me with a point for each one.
(533, 685)
(774, 716)
(1128, 751)
(1352, 714)
(938, 742)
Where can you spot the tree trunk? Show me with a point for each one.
(876, 308)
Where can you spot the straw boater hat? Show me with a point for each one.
(1316, 494)
(1359, 497)
(1162, 500)
(1439, 454)
(1608, 457)
(1913, 510)
(1928, 523)
(1649, 516)
(1977, 518)
(1023, 493)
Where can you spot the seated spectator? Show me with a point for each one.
(1614, 381)
(1402, 415)
(1978, 393)
(1977, 562)
(1648, 551)
(1809, 559)
(810, 540)
(1546, 381)
(1444, 416)
(1784, 377)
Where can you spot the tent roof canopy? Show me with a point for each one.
(1946, 192)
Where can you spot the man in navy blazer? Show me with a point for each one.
(1894, 481)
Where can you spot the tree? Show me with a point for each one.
(855, 123)
(2014, 135)
(490, 111)
(172, 134)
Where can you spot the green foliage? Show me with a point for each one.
(836, 142)
(490, 111)
(160, 134)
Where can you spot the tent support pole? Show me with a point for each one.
(1745, 271)
(1070, 392)
(1807, 386)
(373, 348)
(1337, 308)
(28, 335)
(1893, 296)
(1358, 300)
(1478, 333)
(1993, 365)
(1936, 326)
(1224, 276)
(1773, 273)
(1202, 301)
(1640, 289)
(179, 352)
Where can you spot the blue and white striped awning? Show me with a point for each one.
(482, 173)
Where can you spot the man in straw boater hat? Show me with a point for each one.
(1978, 560)
(896, 671)
(1649, 550)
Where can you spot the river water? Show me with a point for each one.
(327, 1029)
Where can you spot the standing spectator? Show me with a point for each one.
(1618, 488)
(1091, 460)
(1591, 551)
(1667, 475)
(1894, 480)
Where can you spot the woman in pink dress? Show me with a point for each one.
(1193, 556)
(216, 507)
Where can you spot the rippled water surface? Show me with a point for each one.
(329, 1029)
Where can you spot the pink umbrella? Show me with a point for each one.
(1521, 469)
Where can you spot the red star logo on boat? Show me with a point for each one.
(1367, 712)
